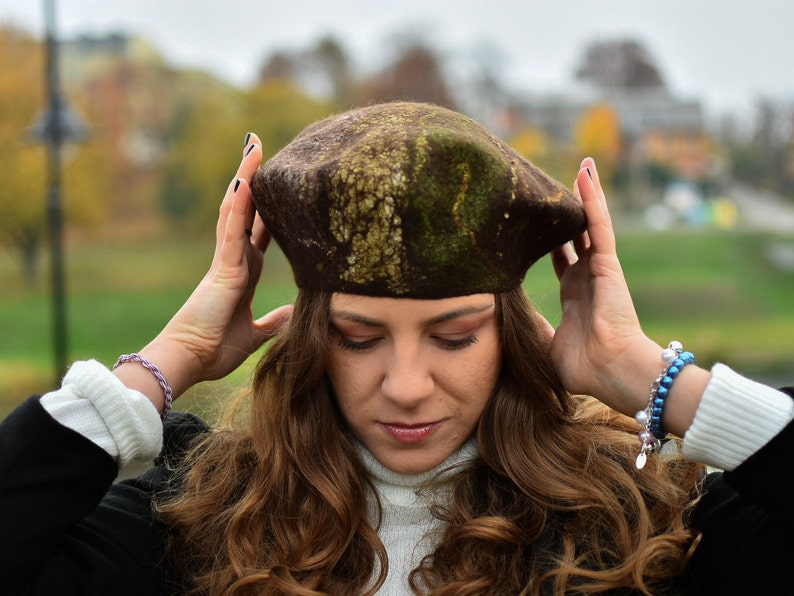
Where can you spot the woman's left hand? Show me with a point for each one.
(215, 330)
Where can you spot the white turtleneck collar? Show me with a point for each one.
(407, 526)
(381, 474)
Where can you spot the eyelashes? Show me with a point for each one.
(446, 344)
(349, 344)
(457, 344)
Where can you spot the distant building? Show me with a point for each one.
(660, 128)
(655, 126)
(85, 56)
(119, 76)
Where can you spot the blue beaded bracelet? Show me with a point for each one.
(675, 359)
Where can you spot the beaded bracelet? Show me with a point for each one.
(675, 359)
(169, 397)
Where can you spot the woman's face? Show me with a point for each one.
(412, 377)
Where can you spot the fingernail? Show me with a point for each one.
(589, 173)
(250, 148)
(247, 138)
(236, 184)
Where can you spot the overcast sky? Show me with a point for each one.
(725, 53)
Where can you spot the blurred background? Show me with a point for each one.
(122, 123)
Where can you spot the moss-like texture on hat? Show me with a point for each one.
(410, 200)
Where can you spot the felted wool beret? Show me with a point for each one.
(410, 200)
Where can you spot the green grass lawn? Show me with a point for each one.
(717, 292)
(119, 296)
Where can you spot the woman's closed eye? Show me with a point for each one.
(455, 344)
(355, 336)
(347, 343)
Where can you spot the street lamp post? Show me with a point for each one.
(55, 127)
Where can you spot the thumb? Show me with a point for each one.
(546, 328)
(273, 322)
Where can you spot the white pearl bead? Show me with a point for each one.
(641, 417)
(669, 355)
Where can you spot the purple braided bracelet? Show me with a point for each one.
(169, 398)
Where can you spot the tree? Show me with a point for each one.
(530, 142)
(766, 157)
(619, 65)
(86, 181)
(207, 145)
(416, 74)
(543, 150)
(21, 163)
(597, 134)
(329, 63)
(323, 71)
(204, 151)
(280, 65)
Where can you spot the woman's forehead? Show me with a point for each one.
(377, 308)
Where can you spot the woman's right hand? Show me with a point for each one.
(599, 347)
(215, 330)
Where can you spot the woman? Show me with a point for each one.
(414, 426)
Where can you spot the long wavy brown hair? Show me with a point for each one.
(553, 504)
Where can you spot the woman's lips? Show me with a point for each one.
(410, 433)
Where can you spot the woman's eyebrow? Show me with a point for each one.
(447, 316)
(468, 310)
(355, 318)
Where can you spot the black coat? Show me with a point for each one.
(68, 529)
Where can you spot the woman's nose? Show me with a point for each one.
(408, 379)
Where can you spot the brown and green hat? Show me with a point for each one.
(410, 200)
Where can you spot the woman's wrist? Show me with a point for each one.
(172, 367)
(684, 398)
(631, 376)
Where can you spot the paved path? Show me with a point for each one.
(762, 209)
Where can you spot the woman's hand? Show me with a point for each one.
(599, 347)
(599, 344)
(215, 330)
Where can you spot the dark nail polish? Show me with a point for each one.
(236, 184)
(250, 148)
(247, 138)
(589, 173)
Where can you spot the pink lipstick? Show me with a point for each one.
(411, 433)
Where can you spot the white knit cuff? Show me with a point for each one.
(735, 418)
(95, 403)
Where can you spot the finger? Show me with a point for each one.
(237, 233)
(546, 328)
(589, 165)
(599, 225)
(250, 138)
(581, 243)
(260, 235)
(255, 228)
(562, 258)
(273, 322)
(224, 209)
(252, 157)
